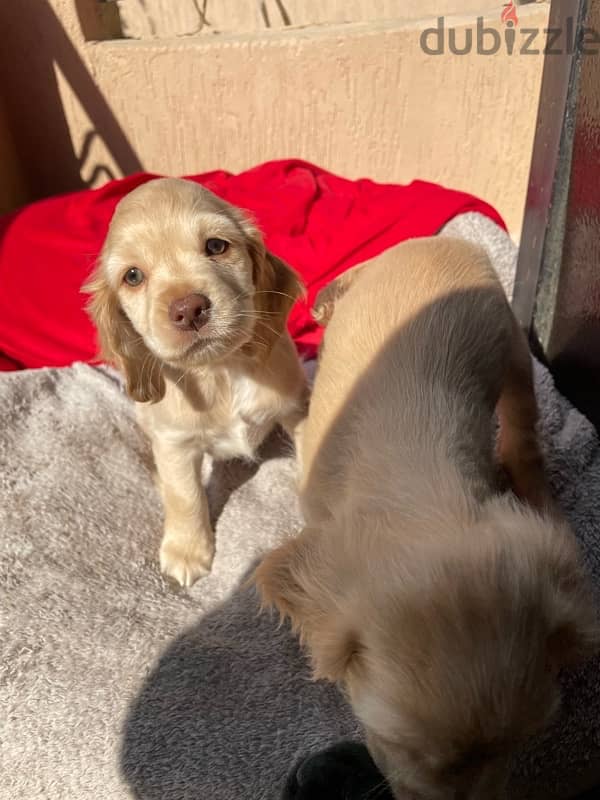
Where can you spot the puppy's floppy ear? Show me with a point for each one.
(300, 582)
(121, 344)
(276, 289)
(283, 579)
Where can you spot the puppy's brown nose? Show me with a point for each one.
(190, 312)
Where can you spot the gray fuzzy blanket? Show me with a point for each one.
(115, 684)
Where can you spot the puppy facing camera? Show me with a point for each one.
(344, 771)
(192, 307)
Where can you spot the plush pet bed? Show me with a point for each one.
(115, 684)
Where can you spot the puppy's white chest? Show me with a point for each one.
(223, 414)
(237, 429)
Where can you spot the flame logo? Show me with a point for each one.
(509, 14)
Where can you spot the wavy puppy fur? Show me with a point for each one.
(192, 308)
(444, 606)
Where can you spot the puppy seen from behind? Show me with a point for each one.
(444, 605)
(193, 309)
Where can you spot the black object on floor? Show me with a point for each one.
(344, 771)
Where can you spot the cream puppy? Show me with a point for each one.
(193, 309)
(443, 607)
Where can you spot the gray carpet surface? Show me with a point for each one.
(115, 684)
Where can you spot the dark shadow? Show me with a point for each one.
(584, 395)
(34, 46)
(98, 19)
(574, 373)
(227, 710)
(225, 478)
(579, 382)
(228, 476)
(86, 148)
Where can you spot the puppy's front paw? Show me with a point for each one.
(185, 559)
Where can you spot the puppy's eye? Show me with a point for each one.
(215, 247)
(133, 276)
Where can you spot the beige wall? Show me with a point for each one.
(361, 99)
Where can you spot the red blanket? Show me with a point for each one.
(319, 223)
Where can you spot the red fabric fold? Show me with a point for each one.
(318, 222)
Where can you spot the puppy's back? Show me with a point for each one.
(436, 288)
(415, 349)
